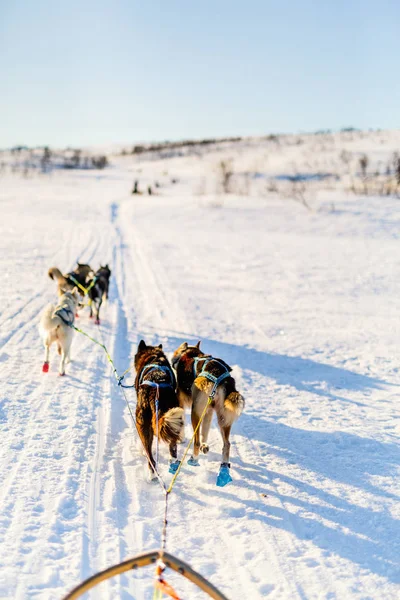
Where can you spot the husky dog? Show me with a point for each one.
(155, 385)
(196, 374)
(69, 281)
(55, 326)
(100, 283)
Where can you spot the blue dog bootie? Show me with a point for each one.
(224, 476)
(173, 466)
(193, 462)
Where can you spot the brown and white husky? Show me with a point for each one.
(69, 281)
(196, 374)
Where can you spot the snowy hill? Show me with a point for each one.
(303, 304)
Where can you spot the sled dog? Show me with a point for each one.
(55, 326)
(196, 375)
(69, 281)
(155, 385)
(100, 283)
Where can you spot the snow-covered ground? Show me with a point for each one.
(303, 304)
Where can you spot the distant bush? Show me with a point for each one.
(364, 164)
(157, 147)
(100, 162)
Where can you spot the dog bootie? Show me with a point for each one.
(173, 467)
(193, 462)
(224, 476)
(45, 368)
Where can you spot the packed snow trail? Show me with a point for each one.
(303, 306)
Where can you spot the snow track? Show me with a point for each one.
(312, 511)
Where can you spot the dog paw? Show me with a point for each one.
(45, 368)
(224, 476)
(204, 448)
(61, 374)
(173, 466)
(151, 476)
(97, 321)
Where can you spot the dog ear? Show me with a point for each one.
(198, 344)
(160, 346)
(184, 346)
(142, 345)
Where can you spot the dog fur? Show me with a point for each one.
(194, 391)
(99, 291)
(170, 415)
(64, 283)
(53, 329)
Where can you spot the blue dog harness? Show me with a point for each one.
(204, 373)
(153, 367)
(66, 314)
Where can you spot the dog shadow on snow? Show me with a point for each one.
(284, 499)
(326, 516)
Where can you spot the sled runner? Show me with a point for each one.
(143, 560)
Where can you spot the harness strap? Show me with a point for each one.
(68, 317)
(92, 283)
(76, 282)
(153, 367)
(152, 384)
(204, 373)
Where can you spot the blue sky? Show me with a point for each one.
(92, 72)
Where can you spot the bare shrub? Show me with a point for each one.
(299, 191)
(225, 174)
(364, 161)
(397, 171)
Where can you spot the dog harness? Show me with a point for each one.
(153, 367)
(204, 373)
(82, 287)
(66, 314)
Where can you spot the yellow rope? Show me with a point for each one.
(125, 372)
(171, 485)
(157, 594)
(76, 282)
(84, 290)
(110, 360)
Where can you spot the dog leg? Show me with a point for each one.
(194, 459)
(224, 476)
(97, 321)
(205, 430)
(146, 435)
(199, 403)
(173, 458)
(62, 363)
(45, 368)
(225, 432)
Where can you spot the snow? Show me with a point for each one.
(302, 304)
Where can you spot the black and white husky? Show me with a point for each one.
(55, 326)
(98, 286)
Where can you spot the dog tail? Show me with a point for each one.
(234, 403)
(171, 426)
(55, 274)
